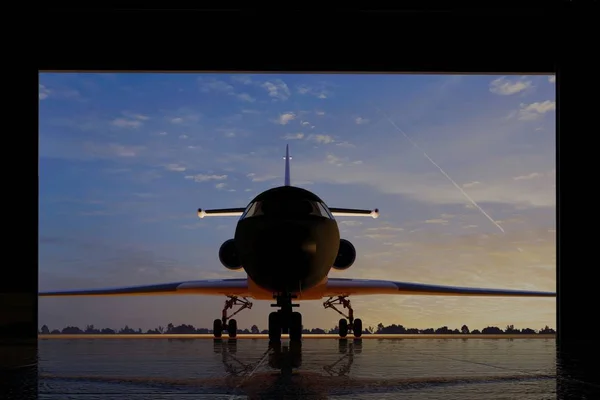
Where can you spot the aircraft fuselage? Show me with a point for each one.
(287, 240)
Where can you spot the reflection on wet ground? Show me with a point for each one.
(334, 369)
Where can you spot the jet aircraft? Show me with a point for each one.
(287, 241)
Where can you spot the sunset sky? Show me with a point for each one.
(127, 159)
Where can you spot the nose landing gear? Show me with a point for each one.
(348, 323)
(226, 322)
(285, 320)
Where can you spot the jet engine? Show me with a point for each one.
(346, 256)
(228, 255)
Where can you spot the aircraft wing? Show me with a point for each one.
(216, 287)
(354, 287)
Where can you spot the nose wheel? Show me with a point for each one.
(285, 320)
(226, 322)
(348, 323)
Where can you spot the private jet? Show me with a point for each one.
(287, 241)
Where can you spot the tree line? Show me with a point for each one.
(380, 329)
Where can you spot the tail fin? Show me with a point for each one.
(287, 165)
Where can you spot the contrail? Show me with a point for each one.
(441, 170)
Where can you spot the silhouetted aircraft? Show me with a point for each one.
(287, 241)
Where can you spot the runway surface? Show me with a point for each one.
(190, 367)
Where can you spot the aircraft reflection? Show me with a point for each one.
(279, 373)
(285, 382)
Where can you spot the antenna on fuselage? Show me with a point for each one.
(287, 159)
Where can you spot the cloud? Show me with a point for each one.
(205, 177)
(360, 121)
(246, 97)
(320, 113)
(331, 159)
(506, 87)
(285, 118)
(436, 221)
(220, 185)
(552, 78)
(177, 120)
(214, 85)
(351, 223)
(533, 175)
(317, 91)
(345, 144)
(175, 167)
(322, 139)
(277, 89)
(43, 92)
(533, 111)
(470, 184)
(183, 137)
(243, 79)
(112, 150)
(264, 178)
(126, 123)
(294, 136)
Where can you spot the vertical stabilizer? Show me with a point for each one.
(287, 165)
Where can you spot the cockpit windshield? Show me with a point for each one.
(287, 208)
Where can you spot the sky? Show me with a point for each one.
(462, 169)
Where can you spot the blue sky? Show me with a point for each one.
(127, 159)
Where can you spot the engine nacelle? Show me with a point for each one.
(228, 255)
(346, 256)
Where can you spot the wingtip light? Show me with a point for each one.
(201, 213)
(375, 213)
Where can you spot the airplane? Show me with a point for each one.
(287, 241)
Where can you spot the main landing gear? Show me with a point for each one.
(226, 322)
(347, 324)
(285, 320)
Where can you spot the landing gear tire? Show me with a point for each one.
(217, 328)
(296, 327)
(232, 328)
(343, 328)
(274, 327)
(357, 328)
(226, 322)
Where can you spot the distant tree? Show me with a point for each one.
(427, 331)
(45, 330)
(547, 331)
(442, 331)
(71, 330)
(169, 327)
(380, 327)
(317, 331)
(161, 329)
(475, 332)
(412, 331)
(455, 331)
(55, 332)
(254, 329)
(464, 329)
(91, 329)
(126, 331)
(492, 330)
(371, 329)
(264, 331)
(510, 329)
(527, 331)
(107, 331)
